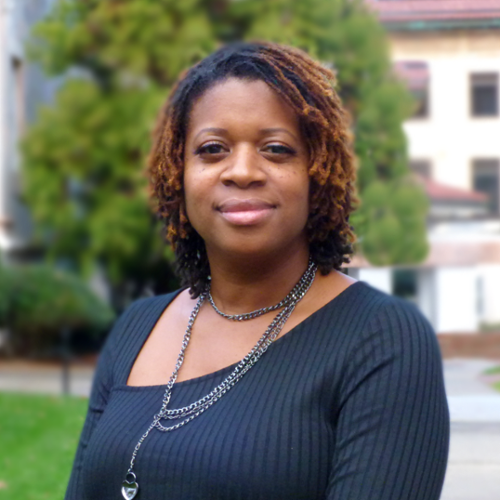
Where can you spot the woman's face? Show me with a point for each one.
(246, 182)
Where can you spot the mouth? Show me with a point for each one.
(245, 212)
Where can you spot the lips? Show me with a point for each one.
(245, 212)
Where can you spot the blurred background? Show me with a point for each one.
(81, 83)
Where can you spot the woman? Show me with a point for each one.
(210, 392)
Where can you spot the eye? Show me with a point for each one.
(279, 149)
(212, 148)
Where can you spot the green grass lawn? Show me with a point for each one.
(38, 438)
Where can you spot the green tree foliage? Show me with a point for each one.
(83, 157)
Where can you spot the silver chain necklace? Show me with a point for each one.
(130, 486)
(259, 312)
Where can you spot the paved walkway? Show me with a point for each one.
(470, 398)
(44, 379)
(474, 461)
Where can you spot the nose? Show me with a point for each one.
(244, 168)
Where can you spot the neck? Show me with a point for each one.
(239, 287)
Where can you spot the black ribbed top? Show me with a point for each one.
(349, 404)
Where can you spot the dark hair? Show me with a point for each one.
(307, 86)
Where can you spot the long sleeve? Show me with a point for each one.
(393, 425)
(101, 386)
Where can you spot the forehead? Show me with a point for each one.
(238, 101)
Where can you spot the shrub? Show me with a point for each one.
(4, 295)
(38, 302)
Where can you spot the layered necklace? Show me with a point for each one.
(162, 421)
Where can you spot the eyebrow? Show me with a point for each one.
(223, 131)
(215, 130)
(279, 129)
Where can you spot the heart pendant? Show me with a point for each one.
(130, 488)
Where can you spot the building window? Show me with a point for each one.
(421, 167)
(484, 94)
(415, 74)
(486, 175)
(421, 109)
(18, 82)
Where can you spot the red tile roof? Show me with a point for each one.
(434, 10)
(442, 192)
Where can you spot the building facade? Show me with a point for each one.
(22, 89)
(448, 53)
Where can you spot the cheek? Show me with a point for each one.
(298, 189)
(196, 197)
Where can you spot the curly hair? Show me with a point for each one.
(308, 87)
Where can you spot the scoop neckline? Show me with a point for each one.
(207, 376)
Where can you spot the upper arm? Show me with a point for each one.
(101, 387)
(393, 424)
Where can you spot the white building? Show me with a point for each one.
(449, 53)
(22, 88)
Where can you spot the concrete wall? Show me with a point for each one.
(426, 295)
(489, 291)
(456, 299)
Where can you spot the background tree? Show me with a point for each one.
(83, 156)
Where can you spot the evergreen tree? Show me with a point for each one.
(83, 156)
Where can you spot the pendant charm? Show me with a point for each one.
(130, 487)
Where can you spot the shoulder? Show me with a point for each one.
(378, 308)
(394, 346)
(392, 325)
(362, 320)
(140, 315)
(396, 315)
